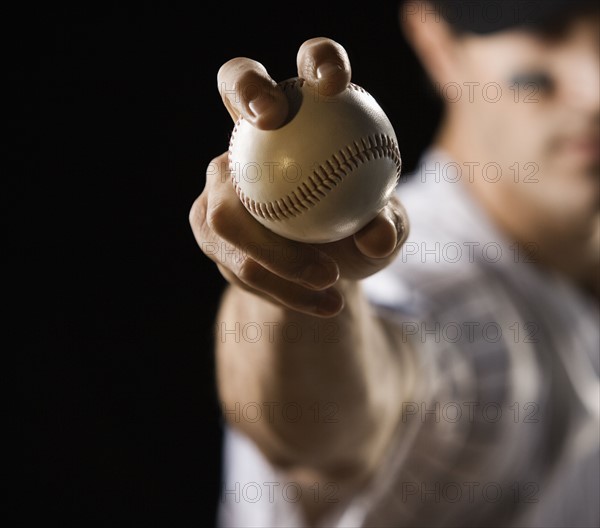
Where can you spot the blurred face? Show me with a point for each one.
(535, 113)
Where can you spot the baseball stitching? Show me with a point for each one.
(324, 178)
(300, 81)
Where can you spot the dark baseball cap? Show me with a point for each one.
(489, 16)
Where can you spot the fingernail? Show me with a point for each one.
(400, 228)
(328, 69)
(318, 276)
(393, 241)
(260, 104)
(329, 303)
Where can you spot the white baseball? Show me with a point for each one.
(325, 173)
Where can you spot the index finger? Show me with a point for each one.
(248, 90)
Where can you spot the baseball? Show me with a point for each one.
(325, 173)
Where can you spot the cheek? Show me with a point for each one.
(513, 132)
(545, 173)
(563, 193)
(566, 204)
(531, 130)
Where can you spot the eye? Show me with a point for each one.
(540, 80)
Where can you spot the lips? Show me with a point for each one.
(586, 148)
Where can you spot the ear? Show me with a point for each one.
(432, 39)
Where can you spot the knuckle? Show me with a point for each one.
(320, 42)
(234, 63)
(217, 218)
(334, 50)
(216, 168)
(250, 272)
(238, 74)
(228, 78)
(231, 68)
(311, 41)
(227, 274)
(321, 48)
(198, 211)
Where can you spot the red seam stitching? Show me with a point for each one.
(323, 179)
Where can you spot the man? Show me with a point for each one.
(458, 384)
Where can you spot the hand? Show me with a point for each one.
(295, 275)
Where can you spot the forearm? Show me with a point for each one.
(321, 393)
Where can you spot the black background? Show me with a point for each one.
(121, 386)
